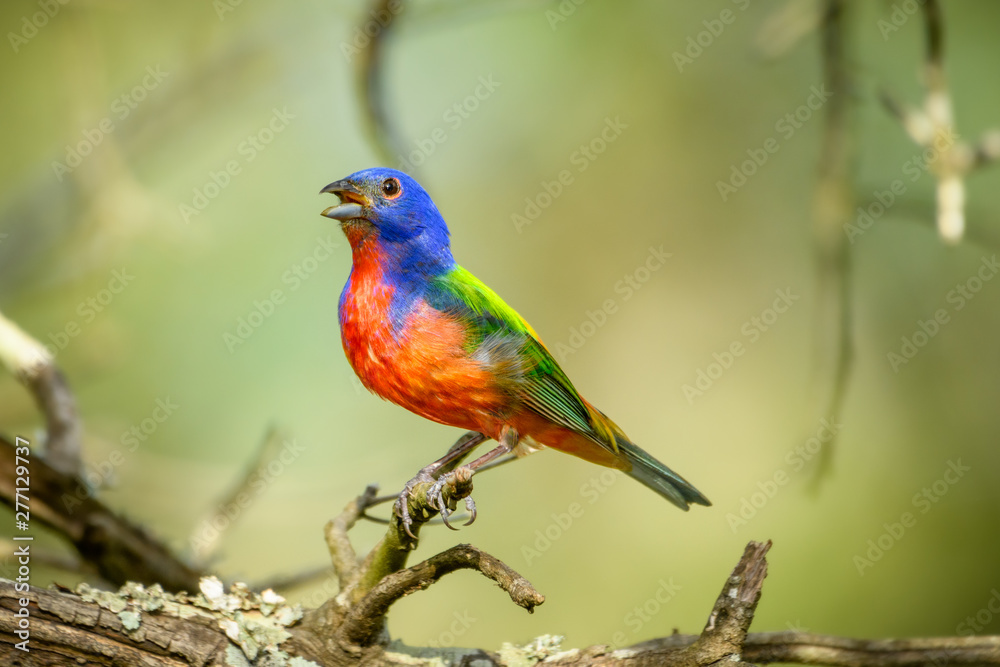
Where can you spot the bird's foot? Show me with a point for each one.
(402, 505)
(460, 481)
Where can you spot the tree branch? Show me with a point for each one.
(345, 560)
(118, 549)
(369, 73)
(812, 649)
(186, 630)
(364, 622)
(728, 624)
(34, 367)
(832, 207)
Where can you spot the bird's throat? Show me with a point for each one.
(358, 232)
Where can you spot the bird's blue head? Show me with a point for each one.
(385, 209)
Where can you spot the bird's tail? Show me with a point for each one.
(659, 477)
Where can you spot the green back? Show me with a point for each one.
(501, 338)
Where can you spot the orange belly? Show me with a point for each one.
(423, 366)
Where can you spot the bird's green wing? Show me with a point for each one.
(497, 334)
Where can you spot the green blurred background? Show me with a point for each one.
(162, 337)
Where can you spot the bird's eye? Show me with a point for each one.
(391, 188)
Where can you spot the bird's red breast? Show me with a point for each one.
(422, 364)
(425, 368)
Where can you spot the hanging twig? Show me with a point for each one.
(832, 206)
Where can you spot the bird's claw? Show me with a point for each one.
(470, 505)
(402, 510)
(402, 504)
(435, 498)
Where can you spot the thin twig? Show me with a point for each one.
(371, 91)
(812, 649)
(833, 203)
(290, 581)
(205, 543)
(363, 624)
(806, 648)
(34, 367)
(345, 560)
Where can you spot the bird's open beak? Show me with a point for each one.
(351, 204)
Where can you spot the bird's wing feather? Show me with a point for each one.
(542, 384)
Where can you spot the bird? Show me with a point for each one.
(426, 334)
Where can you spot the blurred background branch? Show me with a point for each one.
(28, 361)
(833, 207)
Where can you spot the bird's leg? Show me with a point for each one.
(508, 440)
(430, 473)
(462, 447)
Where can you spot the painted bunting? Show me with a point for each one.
(424, 333)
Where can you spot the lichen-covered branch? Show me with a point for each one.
(138, 626)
